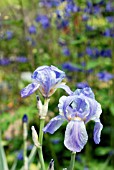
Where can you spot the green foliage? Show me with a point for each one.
(3, 161)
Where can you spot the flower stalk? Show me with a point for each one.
(25, 134)
(40, 153)
(72, 161)
(43, 112)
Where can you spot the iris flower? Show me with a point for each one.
(77, 109)
(47, 79)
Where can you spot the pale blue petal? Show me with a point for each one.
(97, 132)
(66, 88)
(28, 90)
(81, 107)
(75, 136)
(66, 104)
(54, 124)
(61, 103)
(86, 92)
(95, 110)
(55, 69)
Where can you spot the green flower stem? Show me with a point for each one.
(72, 161)
(42, 122)
(25, 146)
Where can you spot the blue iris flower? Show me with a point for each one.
(47, 79)
(77, 109)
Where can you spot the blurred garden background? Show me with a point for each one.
(77, 36)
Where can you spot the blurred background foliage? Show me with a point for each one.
(77, 36)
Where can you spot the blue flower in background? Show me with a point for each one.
(82, 85)
(85, 17)
(4, 61)
(109, 7)
(66, 51)
(21, 59)
(43, 20)
(9, 35)
(110, 19)
(47, 79)
(77, 109)
(108, 33)
(106, 53)
(62, 23)
(93, 52)
(105, 76)
(70, 67)
(71, 7)
(51, 3)
(32, 29)
(20, 155)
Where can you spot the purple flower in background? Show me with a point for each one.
(62, 23)
(105, 76)
(47, 79)
(21, 59)
(71, 7)
(96, 9)
(93, 52)
(20, 155)
(66, 51)
(4, 61)
(82, 85)
(85, 17)
(50, 3)
(77, 109)
(110, 19)
(32, 29)
(9, 35)
(70, 67)
(43, 20)
(109, 7)
(106, 53)
(108, 32)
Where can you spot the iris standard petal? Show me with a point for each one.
(97, 132)
(86, 92)
(80, 107)
(75, 135)
(54, 124)
(28, 90)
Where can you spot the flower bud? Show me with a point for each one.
(51, 165)
(39, 105)
(35, 137)
(25, 118)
